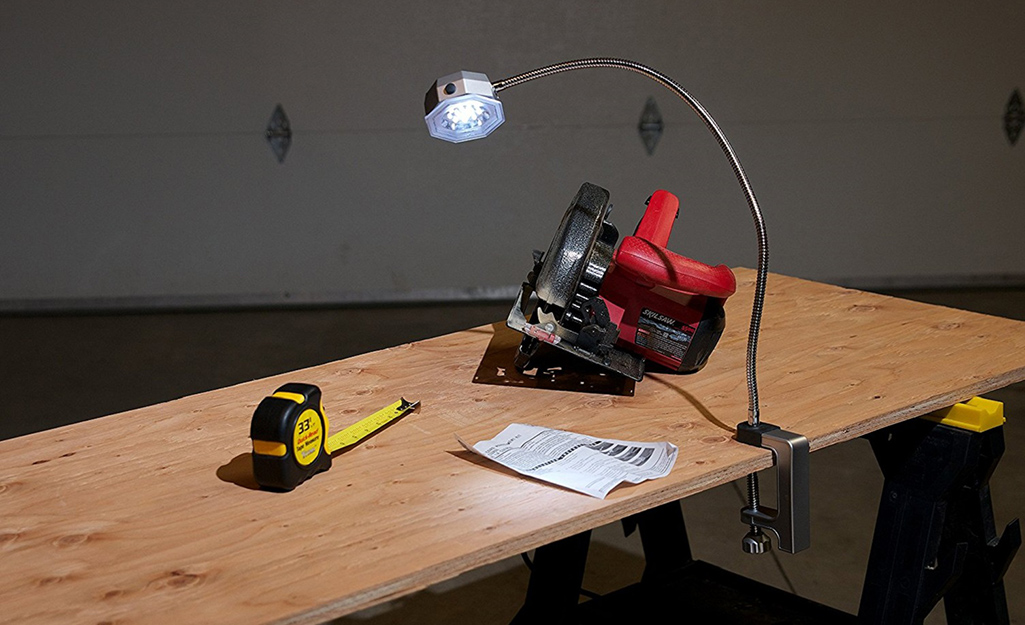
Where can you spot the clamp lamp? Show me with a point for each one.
(464, 106)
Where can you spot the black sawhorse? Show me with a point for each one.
(935, 538)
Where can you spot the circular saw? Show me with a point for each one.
(619, 307)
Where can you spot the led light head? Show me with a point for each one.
(461, 107)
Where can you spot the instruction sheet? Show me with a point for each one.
(589, 465)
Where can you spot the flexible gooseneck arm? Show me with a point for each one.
(753, 414)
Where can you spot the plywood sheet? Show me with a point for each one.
(145, 517)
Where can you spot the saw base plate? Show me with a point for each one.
(525, 306)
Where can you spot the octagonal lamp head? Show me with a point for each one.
(461, 107)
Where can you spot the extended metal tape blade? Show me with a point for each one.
(367, 426)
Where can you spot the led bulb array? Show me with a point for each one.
(462, 107)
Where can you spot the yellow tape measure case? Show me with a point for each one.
(289, 433)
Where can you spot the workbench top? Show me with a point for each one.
(150, 515)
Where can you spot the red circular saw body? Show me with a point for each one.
(660, 299)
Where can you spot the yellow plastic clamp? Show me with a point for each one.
(975, 415)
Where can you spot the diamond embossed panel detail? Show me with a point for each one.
(1014, 117)
(650, 126)
(279, 133)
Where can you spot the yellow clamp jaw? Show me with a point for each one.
(975, 415)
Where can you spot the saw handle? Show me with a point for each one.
(645, 259)
(657, 223)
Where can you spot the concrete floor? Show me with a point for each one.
(63, 369)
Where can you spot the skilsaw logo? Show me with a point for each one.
(666, 321)
(660, 318)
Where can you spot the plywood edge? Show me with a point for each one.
(936, 402)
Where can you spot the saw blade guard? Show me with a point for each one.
(579, 255)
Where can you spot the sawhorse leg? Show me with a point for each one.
(663, 538)
(558, 568)
(935, 536)
(555, 578)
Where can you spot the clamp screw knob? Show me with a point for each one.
(756, 541)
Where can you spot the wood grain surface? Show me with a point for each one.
(148, 516)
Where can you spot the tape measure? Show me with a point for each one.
(290, 434)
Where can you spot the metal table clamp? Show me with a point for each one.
(790, 520)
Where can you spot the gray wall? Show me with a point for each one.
(133, 166)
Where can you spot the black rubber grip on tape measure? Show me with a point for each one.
(276, 420)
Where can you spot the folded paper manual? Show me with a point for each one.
(586, 464)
